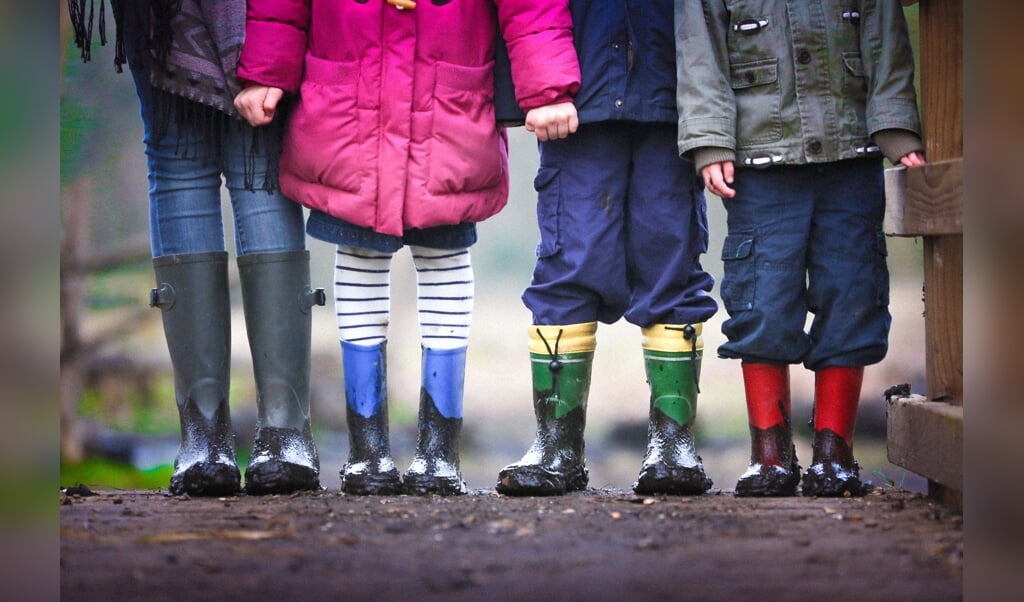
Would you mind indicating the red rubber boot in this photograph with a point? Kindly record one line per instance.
(773, 470)
(833, 471)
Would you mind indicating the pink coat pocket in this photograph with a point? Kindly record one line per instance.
(325, 142)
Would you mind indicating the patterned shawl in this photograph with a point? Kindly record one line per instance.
(191, 49)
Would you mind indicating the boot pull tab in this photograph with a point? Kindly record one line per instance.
(162, 296)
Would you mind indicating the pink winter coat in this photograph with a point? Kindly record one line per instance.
(394, 124)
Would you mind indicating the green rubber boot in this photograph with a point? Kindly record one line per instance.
(672, 358)
(561, 359)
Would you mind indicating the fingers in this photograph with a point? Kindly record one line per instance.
(718, 177)
(913, 159)
(270, 101)
(258, 104)
(552, 122)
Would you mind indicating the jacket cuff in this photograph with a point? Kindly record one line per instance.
(896, 143)
(702, 157)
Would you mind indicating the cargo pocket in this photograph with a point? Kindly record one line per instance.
(549, 204)
(739, 267)
(881, 271)
(758, 102)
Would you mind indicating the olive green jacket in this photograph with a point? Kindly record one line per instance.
(767, 82)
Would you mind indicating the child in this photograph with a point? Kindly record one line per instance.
(393, 142)
(623, 223)
(800, 97)
(182, 58)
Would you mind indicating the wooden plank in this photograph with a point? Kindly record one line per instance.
(926, 200)
(926, 438)
(941, 27)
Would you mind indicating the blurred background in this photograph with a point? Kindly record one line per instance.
(119, 425)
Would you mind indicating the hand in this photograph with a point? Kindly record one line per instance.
(913, 159)
(257, 104)
(553, 121)
(718, 177)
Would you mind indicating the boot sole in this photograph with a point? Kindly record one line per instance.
(275, 476)
(537, 481)
(207, 479)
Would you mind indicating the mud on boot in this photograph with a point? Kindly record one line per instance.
(554, 465)
(283, 460)
(277, 300)
(435, 466)
(833, 472)
(192, 294)
(205, 464)
(370, 469)
(672, 361)
(561, 359)
(774, 470)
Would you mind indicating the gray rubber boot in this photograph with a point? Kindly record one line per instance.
(277, 300)
(192, 294)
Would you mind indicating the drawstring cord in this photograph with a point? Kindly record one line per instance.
(690, 335)
(555, 365)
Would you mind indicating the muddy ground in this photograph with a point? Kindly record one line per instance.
(600, 544)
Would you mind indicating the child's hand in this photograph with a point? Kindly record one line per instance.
(912, 159)
(718, 177)
(553, 121)
(258, 104)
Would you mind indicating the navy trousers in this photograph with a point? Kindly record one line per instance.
(807, 238)
(623, 223)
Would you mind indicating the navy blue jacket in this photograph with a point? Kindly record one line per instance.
(627, 57)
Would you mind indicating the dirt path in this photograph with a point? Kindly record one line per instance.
(593, 545)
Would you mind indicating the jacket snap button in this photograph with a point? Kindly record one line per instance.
(750, 78)
(618, 103)
(814, 147)
(803, 56)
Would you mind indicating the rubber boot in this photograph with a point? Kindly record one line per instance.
(833, 471)
(370, 469)
(277, 300)
(773, 471)
(561, 358)
(435, 467)
(672, 359)
(192, 294)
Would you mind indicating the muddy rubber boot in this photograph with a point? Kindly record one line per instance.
(561, 358)
(435, 467)
(833, 471)
(672, 358)
(773, 470)
(278, 300)
(370, 469)
(192, 294)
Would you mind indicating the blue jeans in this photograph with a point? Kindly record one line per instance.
(186, 167)
(623, 223)
(801, 239)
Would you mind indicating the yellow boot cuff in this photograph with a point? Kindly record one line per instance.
(573, 338)
(669, 338)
